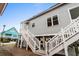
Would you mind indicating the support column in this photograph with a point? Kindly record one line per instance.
(64, 43)
(18, 43)
(43, 42)
(46, 48)
(76, 49)
(66, 49)
(39, 45)
(21, 43)
(26, 45)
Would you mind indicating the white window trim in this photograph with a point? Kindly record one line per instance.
(70, 14)
(52, 19)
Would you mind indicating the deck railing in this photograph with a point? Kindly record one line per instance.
(65, 34)
(71, 30)
(54, 42)
(28, 39)
(35, 43)
(34, 38)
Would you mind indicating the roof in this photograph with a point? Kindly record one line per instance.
(2, 7)
(46, 11)
(12, 30)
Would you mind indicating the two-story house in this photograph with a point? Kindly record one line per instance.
(53, 31)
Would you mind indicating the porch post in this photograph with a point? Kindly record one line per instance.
(66, 50)
(46, 48)
(64, 43)
(43, 42)
(39, 45)
(21, 43)
(18, 43)
(26, 45)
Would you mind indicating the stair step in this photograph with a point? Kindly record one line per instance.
(40, 52)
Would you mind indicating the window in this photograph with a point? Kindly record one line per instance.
(74, 12)
(33, 25)
(8, 34)
(49, 23)
(55, 20)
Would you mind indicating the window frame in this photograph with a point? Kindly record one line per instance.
(53, 20)
(49, 22)
(70, 14)
(8, 34)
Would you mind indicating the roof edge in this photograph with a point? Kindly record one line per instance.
(4, 8)
(44, 12)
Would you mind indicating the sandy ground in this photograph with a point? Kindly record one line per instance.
(21, 52)
(4, 52)
(14, 51)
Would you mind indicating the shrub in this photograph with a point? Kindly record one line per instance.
(5, 40)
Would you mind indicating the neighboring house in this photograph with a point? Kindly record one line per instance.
(11, 34)
(54, 31)
(2, 7)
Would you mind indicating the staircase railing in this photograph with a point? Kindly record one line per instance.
(34, 38)
(36, 42)
(71, 30)
(29, 40)
(54, 42)
(64, 35)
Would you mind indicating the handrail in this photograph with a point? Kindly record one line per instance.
(52, 38)
(34, 38)
(75, 20)
(32, 42)
(68, 31)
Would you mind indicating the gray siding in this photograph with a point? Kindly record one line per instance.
(41, 22)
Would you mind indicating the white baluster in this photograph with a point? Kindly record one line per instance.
(46, 48)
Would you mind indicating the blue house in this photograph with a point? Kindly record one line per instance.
(11, 34)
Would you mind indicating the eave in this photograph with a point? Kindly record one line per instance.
(2, 8)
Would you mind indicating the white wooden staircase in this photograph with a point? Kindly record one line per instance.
(32, 42)
(62, 40)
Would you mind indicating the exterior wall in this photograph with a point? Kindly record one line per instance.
(41, 22)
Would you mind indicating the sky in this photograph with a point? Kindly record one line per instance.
(15, 13)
